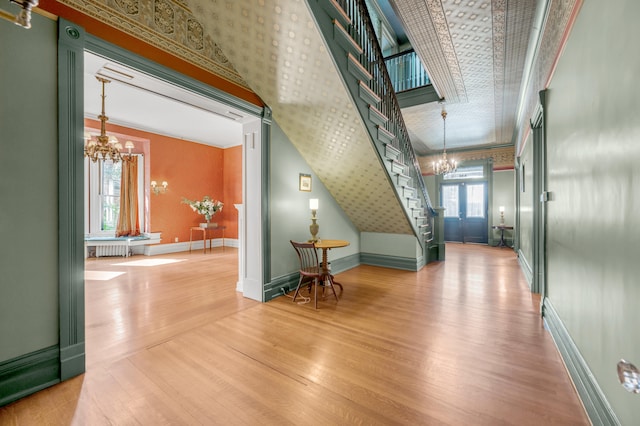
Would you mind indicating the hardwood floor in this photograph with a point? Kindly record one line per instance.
(458, 343)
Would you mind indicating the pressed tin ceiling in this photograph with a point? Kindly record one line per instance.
(474, 52)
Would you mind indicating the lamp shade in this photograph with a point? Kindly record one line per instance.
(313, 203)
(501, 209)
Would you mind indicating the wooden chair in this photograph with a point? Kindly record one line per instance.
(311, 272)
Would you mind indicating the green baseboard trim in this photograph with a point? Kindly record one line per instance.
(72, 361)
(345, 263)
(274, 288)
(289, 282)
(29, 373)
(526, 269)
(393, 262)
(594, 401)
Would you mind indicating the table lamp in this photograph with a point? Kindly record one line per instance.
(501, 208)
(313, 205)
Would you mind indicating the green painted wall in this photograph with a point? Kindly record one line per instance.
(526, 204)
(594, 221)
(398, 245)
(290, 214)
(28, 188)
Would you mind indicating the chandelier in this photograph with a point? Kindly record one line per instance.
(103, 147)
(444, 165)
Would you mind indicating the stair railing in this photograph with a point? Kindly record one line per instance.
(362, 31)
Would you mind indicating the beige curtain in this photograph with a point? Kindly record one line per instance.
(128, 220)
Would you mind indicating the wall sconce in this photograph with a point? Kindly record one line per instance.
(501, 208)
(313, 228)
(159, 189)
(24, 17)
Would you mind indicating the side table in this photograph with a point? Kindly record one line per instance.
(205, 228)
(502, 242)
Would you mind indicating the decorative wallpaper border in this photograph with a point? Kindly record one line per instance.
(503, 158)
(168, 25)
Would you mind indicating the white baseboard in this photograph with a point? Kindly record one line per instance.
(182, 246)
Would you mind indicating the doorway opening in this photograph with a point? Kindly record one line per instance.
(183, 137)
(465, 196)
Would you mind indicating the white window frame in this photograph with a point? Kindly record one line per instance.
(92, 205)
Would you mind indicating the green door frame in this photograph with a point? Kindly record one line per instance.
(539, 282)
(72, 42)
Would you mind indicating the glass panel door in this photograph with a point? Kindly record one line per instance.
(465, 215)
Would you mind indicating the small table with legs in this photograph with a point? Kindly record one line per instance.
(502, 242)
(205, 229)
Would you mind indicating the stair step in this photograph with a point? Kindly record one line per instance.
(391, 151)
(335, 11)
(408, 191)
(396, 167)
(376, 116)
(356, 69)
(343, 38)
(403, 179)
(413, 202)
(368, 95)
(386, 137)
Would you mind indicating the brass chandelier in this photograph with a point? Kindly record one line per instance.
(444, 165)
(103, 147)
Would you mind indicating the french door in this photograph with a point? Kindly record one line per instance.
(466, 211)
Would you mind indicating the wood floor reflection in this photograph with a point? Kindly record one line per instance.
(458, 343)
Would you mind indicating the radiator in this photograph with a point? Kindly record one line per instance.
(111, 250)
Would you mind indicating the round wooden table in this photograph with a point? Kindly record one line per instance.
(327, 245)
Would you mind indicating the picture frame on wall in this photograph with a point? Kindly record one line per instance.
(305, 182)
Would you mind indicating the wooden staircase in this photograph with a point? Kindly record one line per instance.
(349, 35)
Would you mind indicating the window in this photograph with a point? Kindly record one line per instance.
(450, 200)
(102, 195)
(475, 200)
(109, 196)
(468, 172)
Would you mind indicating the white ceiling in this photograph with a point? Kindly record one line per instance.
(136, 100)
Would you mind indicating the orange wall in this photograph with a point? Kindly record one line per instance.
(192, 171)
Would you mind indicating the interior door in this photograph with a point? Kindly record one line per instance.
(465, 214)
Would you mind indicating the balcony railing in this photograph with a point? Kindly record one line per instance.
(406, 71)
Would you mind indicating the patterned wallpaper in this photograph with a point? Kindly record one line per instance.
(273, 48)
(168, 25)
(277, 48)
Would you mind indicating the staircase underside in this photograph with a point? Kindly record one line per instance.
(278, 50)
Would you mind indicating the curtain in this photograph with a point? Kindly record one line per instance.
(128, 220)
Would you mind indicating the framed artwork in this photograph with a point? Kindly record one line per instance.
(305, 182)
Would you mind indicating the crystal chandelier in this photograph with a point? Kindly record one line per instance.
(103, 147)
(444, 165)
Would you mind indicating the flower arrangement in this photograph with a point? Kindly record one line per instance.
(206, 206)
